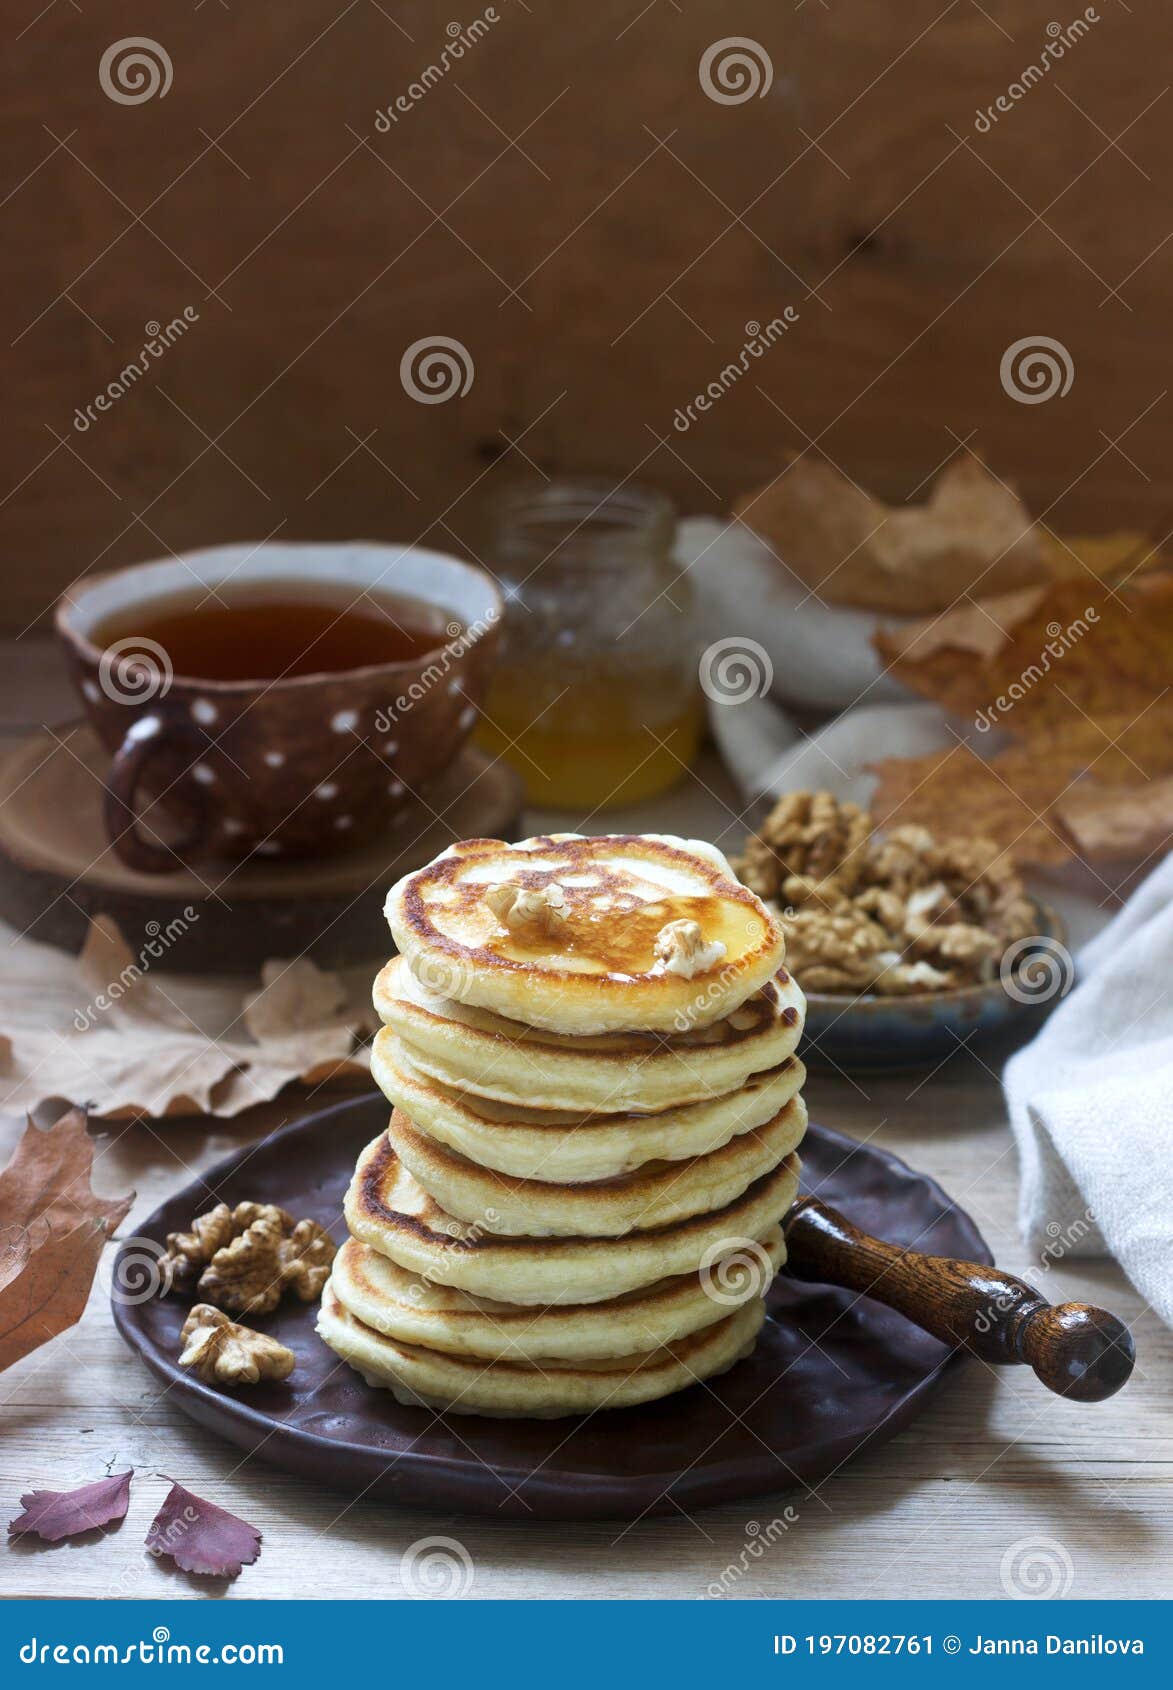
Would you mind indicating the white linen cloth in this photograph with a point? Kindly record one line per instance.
(1091, 1103)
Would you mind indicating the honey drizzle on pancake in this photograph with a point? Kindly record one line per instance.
(620, 935)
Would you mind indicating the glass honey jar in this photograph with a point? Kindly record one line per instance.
(596, 699)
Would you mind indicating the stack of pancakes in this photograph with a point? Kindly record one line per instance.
(589, 1046)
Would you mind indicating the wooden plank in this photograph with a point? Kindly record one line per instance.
(597, 271)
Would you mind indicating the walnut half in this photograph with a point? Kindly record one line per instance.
(220, 1352)
(517, 907)
(244, 1258)
(250, 1275)
(682, 948)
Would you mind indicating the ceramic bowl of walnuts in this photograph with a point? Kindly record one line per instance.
(906, 944)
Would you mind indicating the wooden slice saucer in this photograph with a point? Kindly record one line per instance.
(57, 869)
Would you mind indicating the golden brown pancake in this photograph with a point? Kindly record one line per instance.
(387, 1208)
(539, 1390)
(563, 1144)
(611, 1073)
(655, 1195)
(587, 935)
(412, 1310)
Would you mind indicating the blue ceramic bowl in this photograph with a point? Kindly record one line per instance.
(918, 1030)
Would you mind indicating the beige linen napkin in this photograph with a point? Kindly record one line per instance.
(1091, 1102)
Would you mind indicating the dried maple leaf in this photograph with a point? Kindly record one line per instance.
(54, 1514)
(1113, 557)
(55, 1227)
(1080, 687)
(972, 534)
(201, 1538)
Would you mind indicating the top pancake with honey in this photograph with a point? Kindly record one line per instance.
(587, 935)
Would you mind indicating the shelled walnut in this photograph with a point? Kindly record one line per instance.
(518, 907)
(221, 1352)
(892, 914)
(243, 1259)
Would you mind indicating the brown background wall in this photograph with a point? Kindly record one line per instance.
(599, 271)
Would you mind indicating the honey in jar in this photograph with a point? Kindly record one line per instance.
(596, 700)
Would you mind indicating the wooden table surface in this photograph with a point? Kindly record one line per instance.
(994, 1464)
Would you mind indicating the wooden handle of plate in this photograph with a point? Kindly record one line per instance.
(1079, 1351)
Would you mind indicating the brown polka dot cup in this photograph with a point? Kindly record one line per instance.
(306, 761)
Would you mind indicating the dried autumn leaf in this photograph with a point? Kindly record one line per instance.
(131, 1043)
(1079, 684)
(201, 1538)
(1113, 557)
(973, 533)
(54, 1514)
(55, 1227)
(1109, 822)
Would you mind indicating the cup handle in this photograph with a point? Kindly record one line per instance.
(142, 739)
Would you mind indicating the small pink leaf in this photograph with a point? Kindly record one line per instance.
(54, 1514)
(201, 1538)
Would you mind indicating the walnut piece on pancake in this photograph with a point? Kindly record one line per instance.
(683, 949)
(517, 907)
(221, 1352)
(893, 914)
(245, 1258)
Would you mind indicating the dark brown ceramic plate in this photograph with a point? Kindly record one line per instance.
(831, 1375)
